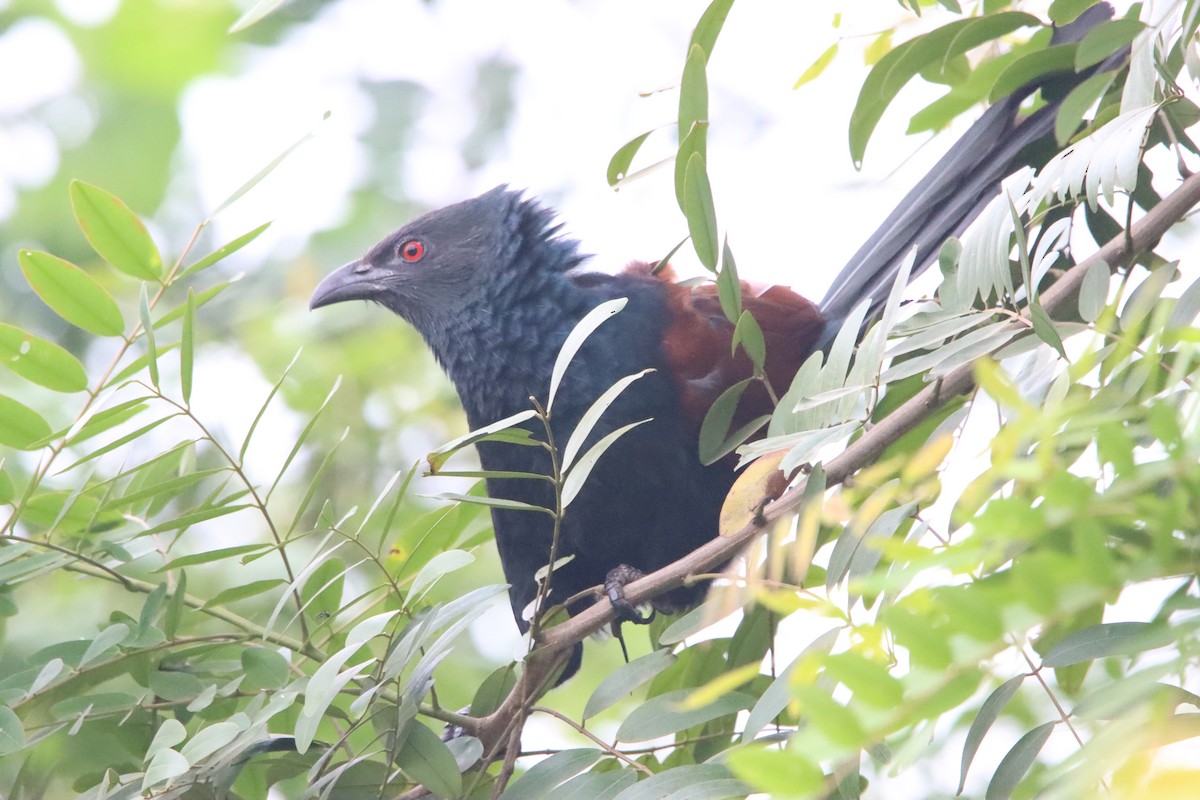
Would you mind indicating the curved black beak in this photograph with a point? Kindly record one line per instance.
(355, 281)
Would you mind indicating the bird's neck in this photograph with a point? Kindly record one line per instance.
(500, 350)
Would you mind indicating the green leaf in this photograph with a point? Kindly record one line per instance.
(224, 251)
(898, 67)
(546, 775)
(620, 683)
(588, 421)
(254, 14)
(1077, 103)
(583, 467)
(187, 348)
(988, 713)
(711, 781)
(425, 758)
(119, 442)
(575, 339)
(1105, 39)
(1107, 639)
(868, 679)
(187, 520)
(776, 697)
(441, 455)
(242, 591)
(492, 502)
(265, 668)
(710, 24)
(322, 592)
(8, 492)
(817, 67)
(494, 689)
(434, 570)
(1093, 291)
(1017, 761)
(729, 288)
(696, 141)
(115, 232)
(597, 785)
(700, 212)
(109, 418)
(715, 427)
(72, 293)
(618, 165)
(165, 765)
(21, 427)
(749, 335)
(148, 332)
(1031, 67)
(174, 487)
(1043, 326)
(108, 639)
(41, 361)
(663, 715)
(779, 773)
(1065, 11)
(209, 740)
(693, 91)
(12, 732)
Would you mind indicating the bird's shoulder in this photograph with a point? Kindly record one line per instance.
(697, 338)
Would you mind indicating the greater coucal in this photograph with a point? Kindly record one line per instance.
(494, 291)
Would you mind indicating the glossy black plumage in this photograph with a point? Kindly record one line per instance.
(494, 291)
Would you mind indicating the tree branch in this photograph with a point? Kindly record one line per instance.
(557, 641)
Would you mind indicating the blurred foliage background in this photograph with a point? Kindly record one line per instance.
(156, 102)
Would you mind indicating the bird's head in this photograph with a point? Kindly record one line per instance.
(433, 267)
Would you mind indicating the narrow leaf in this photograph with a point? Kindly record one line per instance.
(817, 67)
(226, 250)
(437, 567)
(618, 165)
(589, 419)
(663, 715)
(1043, 326)
(575, 339)
(148, 332)
(700, 212)
(1093, 291)
(988, 713)
(715, 427)
(1017, 762)
(187, 348)
(545, 776)
(578, 474)
(1107, 639)
(620, 683)
(710, 24)
(441, 455)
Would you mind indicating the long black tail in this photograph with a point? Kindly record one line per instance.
(957, 189)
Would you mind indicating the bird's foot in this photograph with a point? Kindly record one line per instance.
(614, 587)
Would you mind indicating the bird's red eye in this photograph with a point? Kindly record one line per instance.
(412, 250)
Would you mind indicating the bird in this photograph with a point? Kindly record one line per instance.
(494, 287)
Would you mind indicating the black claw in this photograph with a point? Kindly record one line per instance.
(614, 587)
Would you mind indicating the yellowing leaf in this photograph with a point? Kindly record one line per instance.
(927, 459)
(817, 67)
(760, 481)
